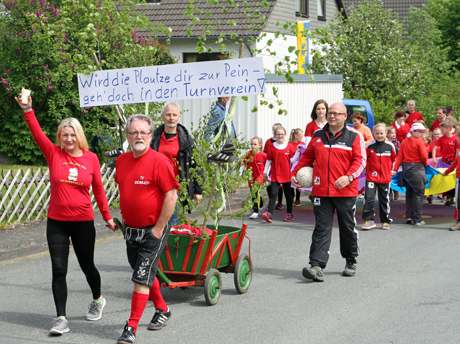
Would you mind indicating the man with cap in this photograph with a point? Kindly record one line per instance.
(413, 157)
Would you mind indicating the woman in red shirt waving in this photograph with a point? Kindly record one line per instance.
(73, 169)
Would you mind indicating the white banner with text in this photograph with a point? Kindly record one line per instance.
(212, 79)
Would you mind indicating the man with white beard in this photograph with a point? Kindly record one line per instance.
(148, 194)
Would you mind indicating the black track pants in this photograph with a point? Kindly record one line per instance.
(324, 209)
(414, 179)
(383, 192)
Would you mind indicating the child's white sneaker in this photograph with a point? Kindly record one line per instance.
(254, 216)
(368, 225)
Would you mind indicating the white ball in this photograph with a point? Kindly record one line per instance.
(304, 176)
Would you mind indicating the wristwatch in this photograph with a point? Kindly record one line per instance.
(350, 178)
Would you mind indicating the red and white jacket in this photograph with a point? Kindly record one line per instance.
(333, 156)
(380, 159)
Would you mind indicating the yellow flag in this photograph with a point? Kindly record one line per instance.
(440, 183)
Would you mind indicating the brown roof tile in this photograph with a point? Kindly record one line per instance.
(244, 18)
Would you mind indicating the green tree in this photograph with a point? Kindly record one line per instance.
(44, 44)
(447, 15)
(367, 49)
(379, 61)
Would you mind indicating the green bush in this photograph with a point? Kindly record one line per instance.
(44, 44)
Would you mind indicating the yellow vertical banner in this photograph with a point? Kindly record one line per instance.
(301, 45)
(304, 57)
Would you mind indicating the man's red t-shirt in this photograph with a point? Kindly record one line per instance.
(143, 183)
(414, 117)
(170, 148)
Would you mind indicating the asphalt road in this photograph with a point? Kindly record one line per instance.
(406, 291)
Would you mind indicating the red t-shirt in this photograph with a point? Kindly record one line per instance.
(170, 148)
(280, 170)
(311, 128)
(446, 147)
(414, 117)
(143, 183)
(435, 125)
(401, 130)
(268, 145)
(455, 163)
(70, 179)
(412, 150)
(256, 162)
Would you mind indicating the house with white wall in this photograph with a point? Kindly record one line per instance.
(244, 29)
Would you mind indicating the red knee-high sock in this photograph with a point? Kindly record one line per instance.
(138, 302)
(156, 297)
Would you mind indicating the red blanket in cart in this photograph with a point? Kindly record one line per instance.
(185, 229)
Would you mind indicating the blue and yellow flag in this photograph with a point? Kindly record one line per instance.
(436, 183)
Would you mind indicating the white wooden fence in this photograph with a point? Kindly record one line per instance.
(25, 193)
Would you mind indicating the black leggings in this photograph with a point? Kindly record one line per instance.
(83, 235)
(274, 191)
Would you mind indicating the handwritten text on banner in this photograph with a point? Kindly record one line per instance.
(175, 81)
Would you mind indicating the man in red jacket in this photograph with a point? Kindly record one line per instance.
(338, 156)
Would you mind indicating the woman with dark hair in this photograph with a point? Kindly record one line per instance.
(318, 119)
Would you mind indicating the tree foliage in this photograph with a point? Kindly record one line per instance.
(44, 44)
(447, 15)
(378, 60)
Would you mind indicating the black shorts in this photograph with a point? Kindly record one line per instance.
(143, 251)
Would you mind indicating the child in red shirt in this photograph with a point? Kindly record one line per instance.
(400, 125)
(435, 135)
(456, 166)
(255, 161)
(446, 150)
(279, 163)
(267, 146)
(446, 144)
(380, 158)
(296, 139)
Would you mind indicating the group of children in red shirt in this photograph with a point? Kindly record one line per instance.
(272, 165)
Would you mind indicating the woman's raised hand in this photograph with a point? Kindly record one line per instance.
(24, 100)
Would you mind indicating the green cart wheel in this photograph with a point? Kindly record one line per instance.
(242, 276)
(212, 286)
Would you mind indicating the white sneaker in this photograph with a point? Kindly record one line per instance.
(368, 225)
(95, 309)
(254, 216)
(60, 326)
